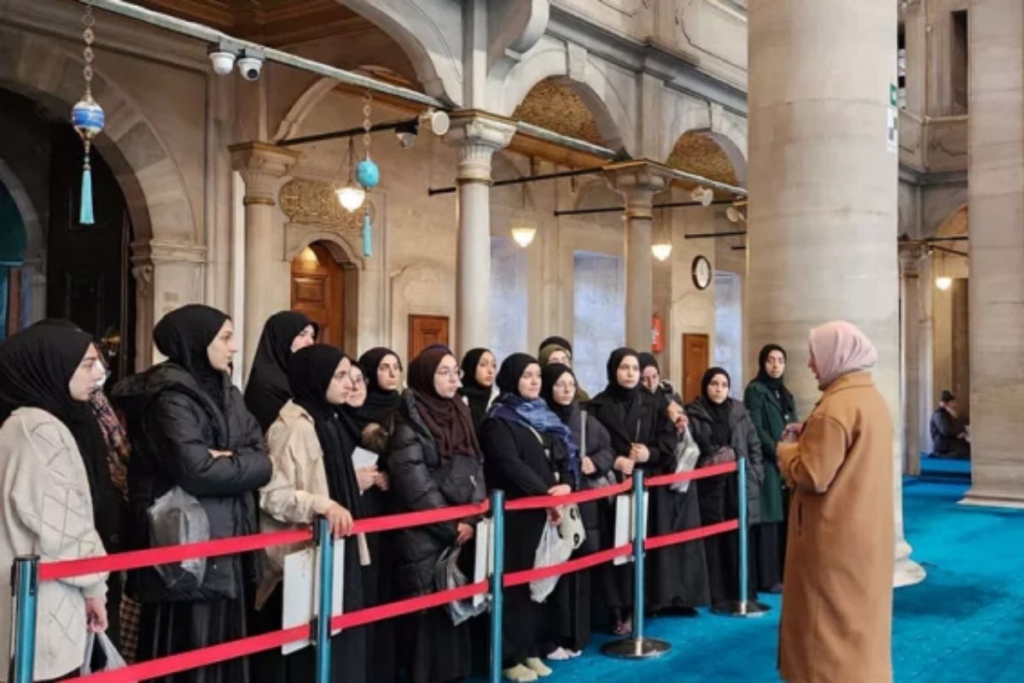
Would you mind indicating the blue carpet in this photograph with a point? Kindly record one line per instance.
(964, 624)
(942, 469)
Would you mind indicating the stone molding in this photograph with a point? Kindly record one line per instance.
(262, 167)
(638, 182)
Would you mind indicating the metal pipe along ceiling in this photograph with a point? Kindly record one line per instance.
(214, 37)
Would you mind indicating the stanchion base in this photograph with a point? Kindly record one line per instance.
(741, 608)
(635, 648)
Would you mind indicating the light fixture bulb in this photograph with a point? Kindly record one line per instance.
(351, 197)
(943, 282)
(661, 250)
(523, 235)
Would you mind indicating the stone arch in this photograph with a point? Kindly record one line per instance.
(414, 25)
(341, 249)
(35, 244)
(149, 177)
(957, 224)
(555, 62)
(688, 115)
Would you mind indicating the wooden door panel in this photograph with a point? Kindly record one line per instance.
(695, 364)
(426, 330)
(318, 291)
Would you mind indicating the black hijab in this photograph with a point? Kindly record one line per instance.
(36, 366)
(183, 335)
(617, 391)
(777, 386)
(550, 376)
(448, 419)
(267, 390)
(477, 395)
(512, 369)
(721, 429)
(380, 403)
(310, 371)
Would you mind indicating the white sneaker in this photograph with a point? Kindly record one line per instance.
(538, 667)
(520, 674)
(560, 655)
(573, 654)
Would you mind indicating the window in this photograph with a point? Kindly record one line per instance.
(959, 63)
(901, 65)
(599, 304)
(508, 298)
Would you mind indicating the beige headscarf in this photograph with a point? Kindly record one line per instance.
(549, 350)
(840, 348)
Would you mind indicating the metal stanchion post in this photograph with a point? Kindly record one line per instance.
(322, 622)
(743, 607)
(25, 588)
(637, 646)
(497, 579)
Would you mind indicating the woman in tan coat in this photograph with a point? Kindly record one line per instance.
(837, 597)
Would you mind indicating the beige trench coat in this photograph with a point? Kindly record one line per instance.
(837, 597)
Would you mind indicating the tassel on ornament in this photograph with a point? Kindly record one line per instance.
(367, 237)
(85, 215)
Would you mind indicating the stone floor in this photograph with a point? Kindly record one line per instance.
(965, 624)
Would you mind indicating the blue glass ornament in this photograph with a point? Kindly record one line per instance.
(368, 174)
(88, 119)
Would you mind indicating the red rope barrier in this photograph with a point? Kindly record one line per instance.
(408, 520)
(702, 473)
(215, 654)
(408, 606)
(136, 559)
(691, 534)
(541, 502)
(528, 575)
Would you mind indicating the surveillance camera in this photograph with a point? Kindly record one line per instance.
(406, 134)
(223, 62)
(250, 67)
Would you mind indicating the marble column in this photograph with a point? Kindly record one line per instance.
(821, 242)
(638, 182)
(267, 272)
(996, 201)
(911, 303)
(477, 137)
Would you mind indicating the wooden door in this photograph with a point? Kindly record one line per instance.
(88, 279)
(695, 364)
(318, 290)
(424, 331)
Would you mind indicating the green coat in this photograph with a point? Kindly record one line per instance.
(770, 420)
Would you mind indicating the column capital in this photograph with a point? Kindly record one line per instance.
(478, 136)
(262, 167)
(638, 182)
(910, 258)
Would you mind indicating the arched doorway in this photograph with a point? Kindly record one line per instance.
(88, 277)
(323, 287)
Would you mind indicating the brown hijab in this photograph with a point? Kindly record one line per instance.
(448, 419)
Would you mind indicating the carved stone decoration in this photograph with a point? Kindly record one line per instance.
(313, 202)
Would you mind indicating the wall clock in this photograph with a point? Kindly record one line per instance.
(701, 272)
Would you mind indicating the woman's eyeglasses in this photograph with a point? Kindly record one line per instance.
(448, 373)
(566, 386)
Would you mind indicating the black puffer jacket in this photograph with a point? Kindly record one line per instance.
(173, 424)
(422, 480)
(718, 499)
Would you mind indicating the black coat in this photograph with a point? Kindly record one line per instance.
(717, 503)
(173, 424)
(522, 465)
(422, 480)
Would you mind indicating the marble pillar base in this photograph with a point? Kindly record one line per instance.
(906, 572)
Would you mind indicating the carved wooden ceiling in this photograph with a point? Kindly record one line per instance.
(556, 106)
(271, 22)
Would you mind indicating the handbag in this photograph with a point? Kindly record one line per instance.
(178, 518)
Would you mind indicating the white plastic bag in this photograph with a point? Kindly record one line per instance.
(177, 518)
(449, 576)
(687, 452)
(107, 659)
(551, 550)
